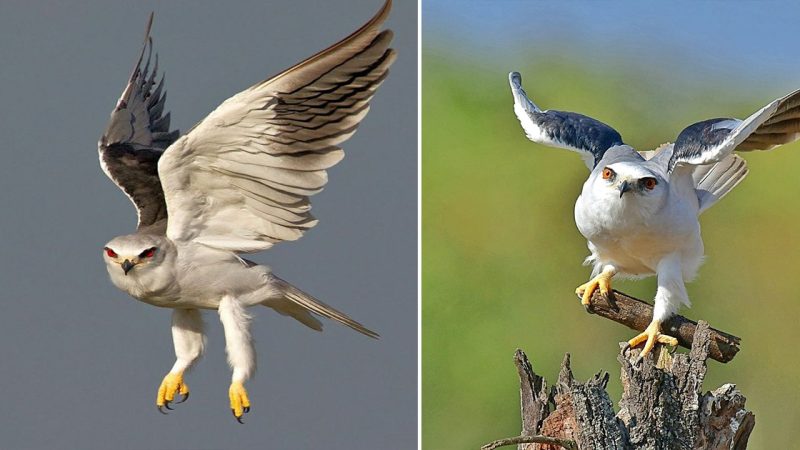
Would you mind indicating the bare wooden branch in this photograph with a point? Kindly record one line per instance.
(637, 314)
(662, 405)
(569, 445)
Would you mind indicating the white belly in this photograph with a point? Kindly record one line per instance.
(195, 277)
(635, 240)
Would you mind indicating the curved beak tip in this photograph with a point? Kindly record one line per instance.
(127, 265)
(623, 188)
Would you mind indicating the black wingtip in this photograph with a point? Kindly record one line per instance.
(149, 24)
(147, 39)
(123, 100)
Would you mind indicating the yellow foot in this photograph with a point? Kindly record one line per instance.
(172, 383)
(650, 336)
(240, 404)
(601, 281)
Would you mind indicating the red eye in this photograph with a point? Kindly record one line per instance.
(650, 183)
(148, 253)
(111, 253)
(607, 173)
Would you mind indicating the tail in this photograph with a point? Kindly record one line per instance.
(714, 181)
(296, 303)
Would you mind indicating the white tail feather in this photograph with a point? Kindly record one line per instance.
(309, 303)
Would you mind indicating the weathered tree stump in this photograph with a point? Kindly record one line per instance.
(662, 406)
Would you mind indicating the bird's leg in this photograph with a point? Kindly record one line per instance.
(241, 355)
(670, 294)
(602, 281)
(189, 341)
(650, 336)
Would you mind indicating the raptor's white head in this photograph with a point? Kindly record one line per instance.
(136, 262)
(133, 253)
(630, 182)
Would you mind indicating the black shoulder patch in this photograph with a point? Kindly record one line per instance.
(135, 171)
(579, 131)
(695, 139)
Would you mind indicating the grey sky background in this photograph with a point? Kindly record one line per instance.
(80, 361)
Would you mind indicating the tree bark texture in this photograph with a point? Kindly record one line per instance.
(662, 405)
(637, 314)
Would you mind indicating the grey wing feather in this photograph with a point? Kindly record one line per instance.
(307, 302)
(711, 181)
(662, 152)
(712, 140)
(241, 179)
(135, 137)
(563, 129)
(714, 181)
(287, 307)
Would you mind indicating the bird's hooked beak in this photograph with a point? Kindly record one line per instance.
(624, 187)
(127, 265)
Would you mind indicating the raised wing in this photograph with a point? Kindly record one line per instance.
(135, 137)
(712, 140)
(240, 180)
(572, 131)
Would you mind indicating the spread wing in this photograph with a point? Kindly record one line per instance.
(135, 137)
(240, 180)
(712, 140)
(572, 131)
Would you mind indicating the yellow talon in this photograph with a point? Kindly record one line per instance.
(172, 383)
(650, 336)
(602, 281)
(240, 404)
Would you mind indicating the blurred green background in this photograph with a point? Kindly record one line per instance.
(501, 256)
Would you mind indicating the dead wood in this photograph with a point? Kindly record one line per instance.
(636, 314)
(662, 405)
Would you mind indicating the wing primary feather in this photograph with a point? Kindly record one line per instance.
(136, 135)
(245, 172)
(126, 93)
(713, 140)
(376, 21)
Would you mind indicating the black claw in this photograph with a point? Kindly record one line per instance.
(611, 298)
(238, 418)
(185, 397)
(588, 308)
(672, 349)
(166, 405)
(246, 409)
(161, 410)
